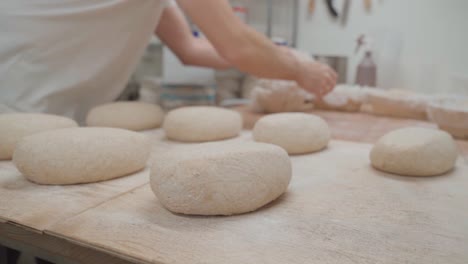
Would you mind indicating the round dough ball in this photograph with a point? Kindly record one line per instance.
(220, 178)
(297, 133)
(415, 151)
(135, 116)
(81, 155)
(15, 126)
(202, 123)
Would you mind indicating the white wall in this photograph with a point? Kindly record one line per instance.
(434, 34)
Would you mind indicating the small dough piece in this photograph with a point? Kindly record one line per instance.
(81, 155)
(415, 151)
(220, 178)
(202, 123)
(276, 96)
(297, 133)
(15, 126)
(347, 98)
(135, 116)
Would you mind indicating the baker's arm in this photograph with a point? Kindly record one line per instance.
(174, 31)
(252, 52)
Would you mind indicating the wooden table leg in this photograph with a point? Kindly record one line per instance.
(50, 248)
(3, 254)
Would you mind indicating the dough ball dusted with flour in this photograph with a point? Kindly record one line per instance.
(415, 151)
(15, 126)
(297, 133)
(220, 178)
(202, 123)
(81, 155)
(135, 116)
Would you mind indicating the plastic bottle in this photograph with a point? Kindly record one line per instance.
(366, 74)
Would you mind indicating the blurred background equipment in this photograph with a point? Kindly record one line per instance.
(387, 45)
(338, 63)
(366, 74)
(178, 95)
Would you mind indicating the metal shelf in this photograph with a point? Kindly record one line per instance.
(294, 19)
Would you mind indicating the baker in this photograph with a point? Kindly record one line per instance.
(65, 57)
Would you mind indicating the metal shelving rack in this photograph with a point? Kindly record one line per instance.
(294, 17)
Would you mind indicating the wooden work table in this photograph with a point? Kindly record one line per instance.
(338, 209)
(357, 127)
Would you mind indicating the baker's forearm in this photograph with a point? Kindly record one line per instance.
(240, 45)
(174, 31)
(251, 51)
(256, 54)
(202, 53)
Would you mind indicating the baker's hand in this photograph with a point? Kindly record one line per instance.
(315, 77)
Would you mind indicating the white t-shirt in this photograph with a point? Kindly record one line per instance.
(66, 56)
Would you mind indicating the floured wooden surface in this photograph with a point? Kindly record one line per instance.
(40, 206)
(359, 127)
(337, 210)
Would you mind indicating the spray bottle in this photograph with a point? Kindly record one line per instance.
(366, 74)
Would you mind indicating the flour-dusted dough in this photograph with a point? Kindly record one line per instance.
(347, 98)
(399, 103)
(81, 155)
(220, 178)
(135, 116)
(202, 123)
(276, 96)
(451, 115)
(15, 126)
(297, 133)
(415, 151)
